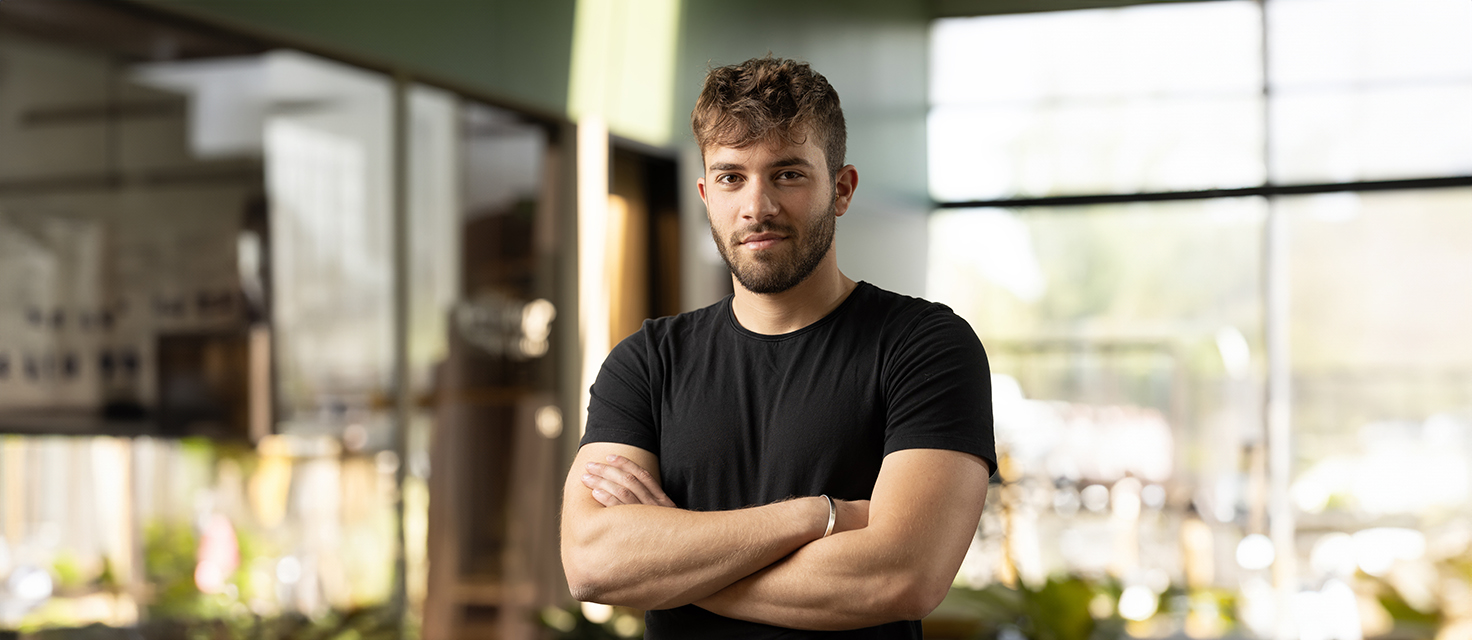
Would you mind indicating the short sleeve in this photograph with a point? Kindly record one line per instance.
(621, 406)
(938, 389)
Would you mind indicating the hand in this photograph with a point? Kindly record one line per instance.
(621, 481)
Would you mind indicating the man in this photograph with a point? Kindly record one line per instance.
(810, 453)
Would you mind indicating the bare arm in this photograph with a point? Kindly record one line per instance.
(925, 508)
(622, 545)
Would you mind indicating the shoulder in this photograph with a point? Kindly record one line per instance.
(907, 318)
(662, 334)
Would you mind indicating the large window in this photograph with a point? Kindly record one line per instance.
(1217, 252)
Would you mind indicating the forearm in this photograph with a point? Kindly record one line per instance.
(658, 557)
(849, 581)
(925, 509)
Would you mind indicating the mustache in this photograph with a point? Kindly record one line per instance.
(762, 227)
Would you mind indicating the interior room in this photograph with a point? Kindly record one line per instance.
(300, 302)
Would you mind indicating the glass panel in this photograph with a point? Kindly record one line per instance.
(1342, 42)
(122, 302)
(328, 162)
(1374, 134)
(1170, 270)
(434, 288)
(981, 153)
(1157, 98)
(1148, 50)
(1382, 359)
(434, 225)
(1368, 90)
(1124, 342)
(498, 427)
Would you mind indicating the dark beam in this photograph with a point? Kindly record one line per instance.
(108, 181)
(1259, 191)
(967, 8)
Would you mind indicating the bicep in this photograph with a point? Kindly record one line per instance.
(927, 502)
(575, 496)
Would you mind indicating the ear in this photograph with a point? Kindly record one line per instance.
(700, 185)
(844, 185)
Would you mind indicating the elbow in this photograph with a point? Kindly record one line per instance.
(580, 569)
(581, 586)
(918, 596)
(584, 590)
(586, 587)
(591, 580)
(584, 581)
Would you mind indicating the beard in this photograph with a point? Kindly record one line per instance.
(768, 272)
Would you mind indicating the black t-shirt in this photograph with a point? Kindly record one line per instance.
(740, 419)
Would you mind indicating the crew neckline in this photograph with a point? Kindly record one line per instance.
(730, 313)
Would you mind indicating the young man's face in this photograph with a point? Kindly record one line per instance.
(772, 210)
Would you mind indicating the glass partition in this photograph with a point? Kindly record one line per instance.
(198, 260)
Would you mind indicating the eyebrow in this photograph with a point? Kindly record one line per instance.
(788, 161)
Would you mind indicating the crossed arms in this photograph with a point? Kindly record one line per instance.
(890, 558)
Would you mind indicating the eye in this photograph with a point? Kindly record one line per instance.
(789, 175)
(728, 178)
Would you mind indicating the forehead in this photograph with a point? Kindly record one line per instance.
(765, 153)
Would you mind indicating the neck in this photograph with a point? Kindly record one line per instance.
(795, 308)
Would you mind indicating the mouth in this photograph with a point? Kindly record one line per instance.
(760, 241)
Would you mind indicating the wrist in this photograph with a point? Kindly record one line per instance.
(813, 516)
(830, 516)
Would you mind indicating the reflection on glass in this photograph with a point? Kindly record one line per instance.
(980, 153)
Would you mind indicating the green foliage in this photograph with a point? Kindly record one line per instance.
(68, 571)
(169, 557)
(169, 550)
(568, 623)
(1059, 610)
(108, 578)
(1406, 615)
(376, 623)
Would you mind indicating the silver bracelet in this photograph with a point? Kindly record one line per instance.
(832, 515)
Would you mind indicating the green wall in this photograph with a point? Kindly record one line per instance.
(519, 52)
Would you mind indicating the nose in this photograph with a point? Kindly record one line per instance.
(760, 201)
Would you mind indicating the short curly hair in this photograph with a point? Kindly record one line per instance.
(766, 100)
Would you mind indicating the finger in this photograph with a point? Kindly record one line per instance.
(633, 478)
(644, 477)
(606, 480)
(604, 498)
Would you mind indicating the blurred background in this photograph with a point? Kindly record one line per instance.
(299, 300)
